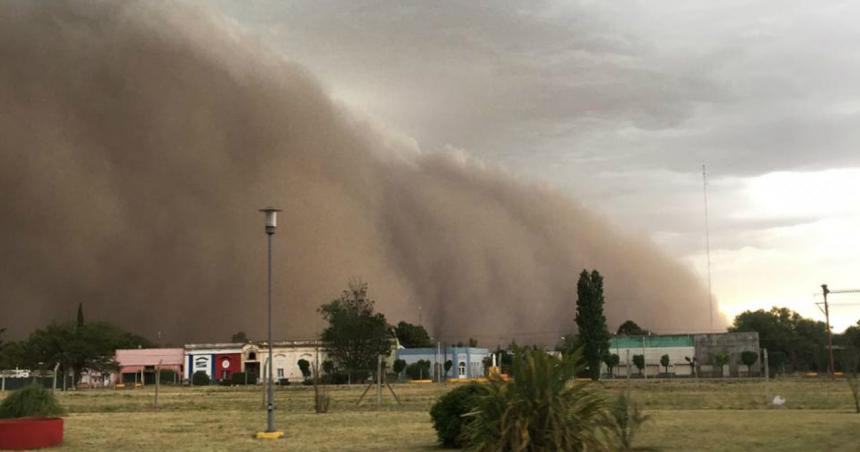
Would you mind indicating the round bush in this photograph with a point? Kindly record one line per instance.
(30, 401)
(200, 378)
(448, 411)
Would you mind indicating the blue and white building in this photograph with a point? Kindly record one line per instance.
(467, 362)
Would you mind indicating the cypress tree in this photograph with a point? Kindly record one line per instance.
(593, 333)
(80, 315)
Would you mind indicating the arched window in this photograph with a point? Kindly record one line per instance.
(462, 368)
(252, 356)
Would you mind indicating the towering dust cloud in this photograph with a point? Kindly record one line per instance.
(137, 142)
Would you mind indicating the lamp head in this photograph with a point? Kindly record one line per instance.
(271, 219)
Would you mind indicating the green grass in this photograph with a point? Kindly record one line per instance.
(687, 415)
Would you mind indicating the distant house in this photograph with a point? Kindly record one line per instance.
(466, 362)
(138, 365)
(218, 361)
(221, 360)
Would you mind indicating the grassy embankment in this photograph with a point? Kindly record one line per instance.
(687, 415)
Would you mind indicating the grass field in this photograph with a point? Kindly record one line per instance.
(730, 415)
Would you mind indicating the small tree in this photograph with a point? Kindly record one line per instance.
(399, 366)
(749, 358)
(355, 335)
(625, 421)
(239, 336)
(664, 361)
(639, 362)
(611, 362)
(448, 365)
(418, 370)
(305, 368)
(721, 359)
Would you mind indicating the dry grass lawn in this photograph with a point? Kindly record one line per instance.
(686, 416)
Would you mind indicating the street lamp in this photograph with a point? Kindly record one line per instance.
(270, 433)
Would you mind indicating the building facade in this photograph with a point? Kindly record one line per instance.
(467, 362)
(138, 365)
(218, 361)
(689, 354)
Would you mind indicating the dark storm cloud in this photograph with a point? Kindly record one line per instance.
(139, 139)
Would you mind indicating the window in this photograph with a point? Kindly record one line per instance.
(280, 373)
(252, 356)
(462, 368)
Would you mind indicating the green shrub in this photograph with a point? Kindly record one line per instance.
(238, 378)
(448, 411)
(625, 422)
(419, 370)
(541, 408)
(30, 401)
(200, 378)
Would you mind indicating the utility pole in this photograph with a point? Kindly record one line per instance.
(826, 291)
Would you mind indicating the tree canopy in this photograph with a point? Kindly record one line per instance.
(630, 328)
(355, 334)
(90, 346)
(590, 320)
(412, 336)
(784, 332)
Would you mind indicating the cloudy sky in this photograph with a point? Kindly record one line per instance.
(620, 104)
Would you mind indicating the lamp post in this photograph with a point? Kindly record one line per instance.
(271, 214)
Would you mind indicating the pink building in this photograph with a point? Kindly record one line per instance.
(139, 364)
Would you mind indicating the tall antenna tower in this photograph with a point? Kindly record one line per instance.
(708, 244)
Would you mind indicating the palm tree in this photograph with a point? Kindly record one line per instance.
(542, 408)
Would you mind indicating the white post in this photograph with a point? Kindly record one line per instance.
(644, 362)
(157, 380)
(54, 387)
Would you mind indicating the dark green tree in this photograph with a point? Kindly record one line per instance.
(419, 370)
(781, 331)
(78, 348)
(664, 361)
(473, 342)
(412, 336)
(448, 365)
(611, 361)
(749, 358)
(590, 320)
(630, 328)
(355, 335)
(305, 368)
(639, 362)
(399, 365)
(80, 315)
(720, 361)
(240, 337)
